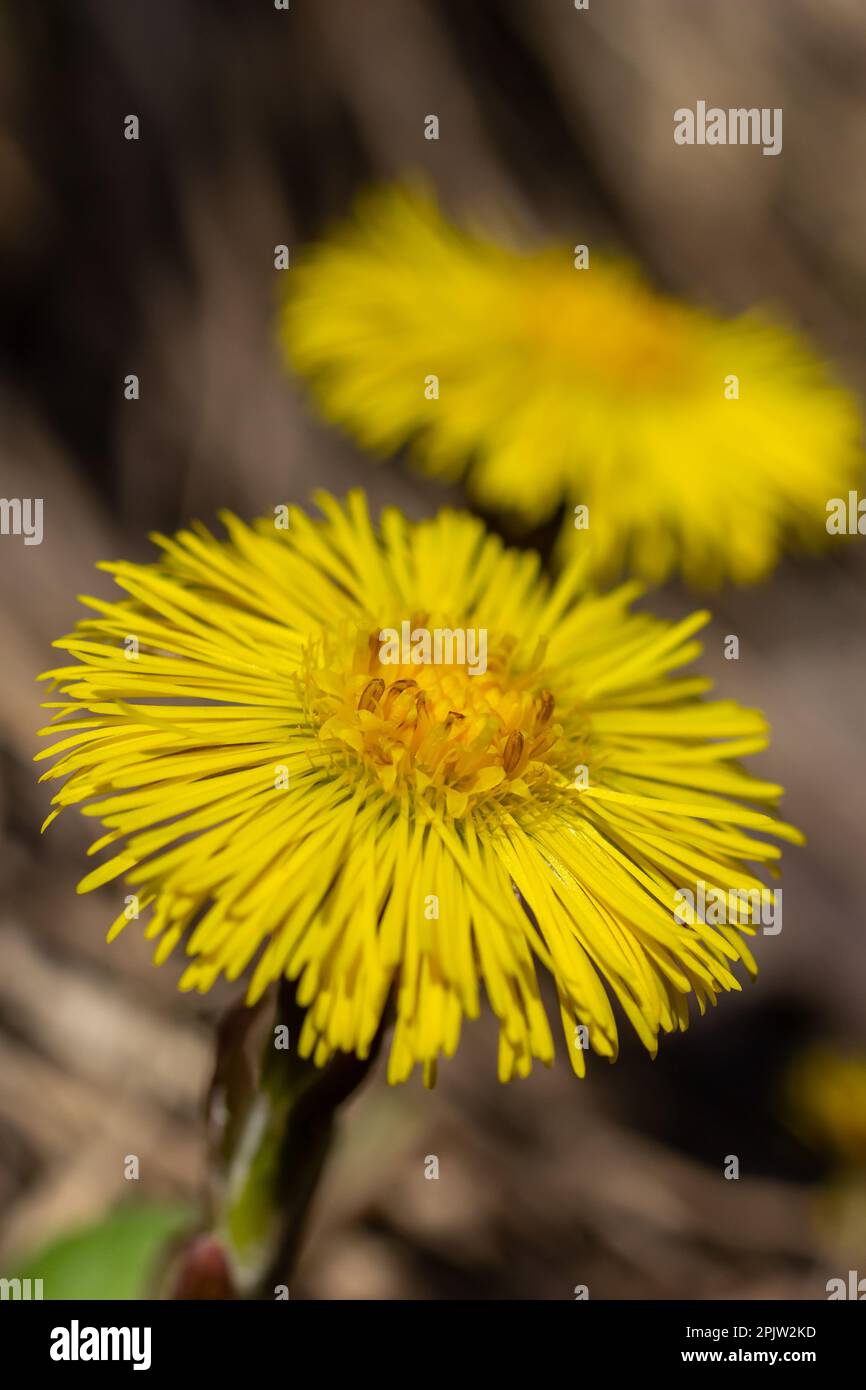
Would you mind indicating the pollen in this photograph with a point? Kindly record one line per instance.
(451, 739)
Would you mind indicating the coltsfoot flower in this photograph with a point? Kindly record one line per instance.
(286, 791)
(696, 444)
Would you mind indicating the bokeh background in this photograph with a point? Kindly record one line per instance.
(156, 258)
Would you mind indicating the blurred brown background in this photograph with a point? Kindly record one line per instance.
(156, 257)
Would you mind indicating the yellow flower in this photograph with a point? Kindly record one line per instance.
(826, 1100)
(696, 443)
(287, 786)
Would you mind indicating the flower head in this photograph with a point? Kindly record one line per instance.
(694, 443)
(309, 769)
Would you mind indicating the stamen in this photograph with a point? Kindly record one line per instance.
(371, 694)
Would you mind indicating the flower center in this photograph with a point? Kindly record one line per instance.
(610, 328)
(432, 727)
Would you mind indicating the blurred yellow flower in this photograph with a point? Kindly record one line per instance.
(290, 780)
(826, 1098)
(693, 443)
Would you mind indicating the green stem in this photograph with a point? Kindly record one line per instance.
(272, 1119)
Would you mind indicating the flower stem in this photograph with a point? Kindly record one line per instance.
(271, 1118)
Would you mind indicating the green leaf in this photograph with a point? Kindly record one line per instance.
(115, 1258)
